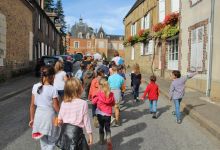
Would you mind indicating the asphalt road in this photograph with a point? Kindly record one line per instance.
(138, 131)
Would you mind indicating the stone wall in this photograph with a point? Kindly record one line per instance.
(18, 28)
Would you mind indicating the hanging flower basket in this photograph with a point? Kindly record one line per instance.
(171, 19)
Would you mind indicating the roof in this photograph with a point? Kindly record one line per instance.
(115, 37)
(136, 4)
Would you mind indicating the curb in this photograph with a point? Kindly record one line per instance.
(11, 94)
(207, 124)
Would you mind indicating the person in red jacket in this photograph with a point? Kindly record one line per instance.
(152, 90)
(104, 100)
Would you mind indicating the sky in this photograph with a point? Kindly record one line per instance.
(106, 13)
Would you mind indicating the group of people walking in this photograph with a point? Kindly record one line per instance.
(59, 111)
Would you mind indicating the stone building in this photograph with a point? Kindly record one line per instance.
(154, 55)
(16, 36)
(196, 45)
(26, 33)
(84, 39)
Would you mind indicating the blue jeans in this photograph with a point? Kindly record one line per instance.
(153, 106)
(177, 108)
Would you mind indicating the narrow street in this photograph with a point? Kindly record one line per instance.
(138, 131)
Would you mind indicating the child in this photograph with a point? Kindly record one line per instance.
(136, 81)
(87, 79)
(74, 114)
(105, 101)
(177, 90)
(152, 90)
(60, 78)
(79, 73)
(122, 74)
(45, 98)
(115, 82)
(93, 91)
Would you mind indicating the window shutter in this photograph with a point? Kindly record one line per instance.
(193, 55)
(142, 48)
(161, 10)
(135, 28)
(175, 6)
(147, 21)
(142, 23)
(151, 47)
(200, 35)
(132, 53)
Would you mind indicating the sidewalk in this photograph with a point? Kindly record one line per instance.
(196, 105)
(15, 86)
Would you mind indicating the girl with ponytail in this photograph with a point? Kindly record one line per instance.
(43, 109)
(104, 100)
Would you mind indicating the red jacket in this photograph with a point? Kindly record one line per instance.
(104, 104)
(93, 88)
(152, 90)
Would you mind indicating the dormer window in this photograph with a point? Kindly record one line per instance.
(80, 35)
(101, 35)
(87, 36)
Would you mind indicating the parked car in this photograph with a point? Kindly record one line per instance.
(44, 61)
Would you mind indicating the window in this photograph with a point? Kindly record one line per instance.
(145, 22)
(175, 5)
(147, 48)
(39, 21)
(173, 54)
(3, 32)
(121, 47)
(87, 36)
(114, 46)
(101, 35)
(161, 10)
(101, 44)
(196, 54)
(88, 44)
(80, 35)
(134, 29)
(132, 53)
(76, 45)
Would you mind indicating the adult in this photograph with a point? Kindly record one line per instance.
(117, 59)
(68, 66)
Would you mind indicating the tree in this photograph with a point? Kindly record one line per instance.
(60, 13)
(49, 5)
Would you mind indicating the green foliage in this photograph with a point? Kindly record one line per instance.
(61, 16)
(49, 5)
(169, 31)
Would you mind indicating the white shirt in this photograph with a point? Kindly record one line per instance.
(59, 80)
(45, 98)
(116, 59)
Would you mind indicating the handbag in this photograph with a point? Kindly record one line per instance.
(72, 138)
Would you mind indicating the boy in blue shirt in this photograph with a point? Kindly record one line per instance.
(115, 82)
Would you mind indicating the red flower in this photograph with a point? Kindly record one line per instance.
(141, 32)
(158, 27)
(171, 19)
(130, 38)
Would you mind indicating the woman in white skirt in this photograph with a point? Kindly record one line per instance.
(45, 101)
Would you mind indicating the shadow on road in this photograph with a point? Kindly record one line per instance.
(119, 142)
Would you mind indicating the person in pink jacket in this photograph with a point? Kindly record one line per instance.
(104, 100)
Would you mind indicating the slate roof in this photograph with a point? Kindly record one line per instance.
(136, 4)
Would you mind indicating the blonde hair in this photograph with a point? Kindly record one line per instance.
(104, 86)
(136, 68)
(58, 66)
(72, 89)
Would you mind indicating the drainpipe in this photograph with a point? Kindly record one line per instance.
(210, 57)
